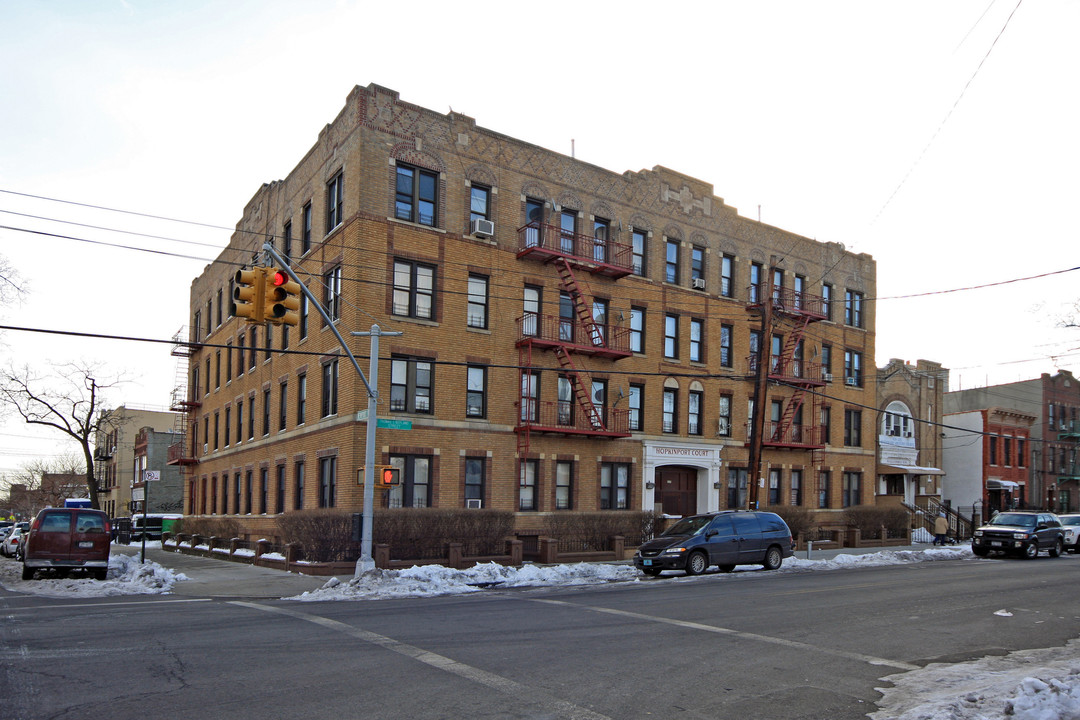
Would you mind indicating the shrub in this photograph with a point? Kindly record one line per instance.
(324, 535)
(870, 518)
(590, 531)
(221, 527)
(798, 518)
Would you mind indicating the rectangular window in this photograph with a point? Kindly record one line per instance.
(826, 296)
(335, 192)
(206, 434)
(637, 329)
(248, 490)
(697, 266)
(217, 371)
(264, 489)
(565, 402)
(777, 284)
(479, 202)
(993, 443)
(671, 261)
(228, 424)
(530, 397)
(474, 480)
(530, 320)
(693, 420)
(823, 489)
(266, 412)
(476, 392)
(826, 424)
(852, 489)
(328, 481)
(302, 328)
(236, 494)
(727, 276)
(853, 428)
(415, 487)
(853, 308)
(567, 231)
(298, 482)
(727, 357)
(477, 315)
(219, 304)
(268, 341)
(279, 494)
(796, 487)
(567, 317)
(614, 486)
(196, 325)
(414, 290)
(415, 198)
(564, 475)
(671, 336)
(286, 239)
(284, 337)
(332, 292)
(229, 361)
(800, 290)
(301, 397)
(1021, 459)
(411, 385)
(283, 405)
(723, 424)
(251, 349)
(697, 340)
(601, 232)
(671, 404)
(853, 368)
(527, 485)
(1006, 447)
(240, 419)
(826, 361)
(305, 228)
(757, 271)
(637, 396)
(736, 488)
(329, 389)
(774, 486)
(637, 241)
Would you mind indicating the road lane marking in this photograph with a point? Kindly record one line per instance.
(35, 608)
(860, 657)
(504, 685)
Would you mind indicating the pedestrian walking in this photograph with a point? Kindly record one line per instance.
(941, 529)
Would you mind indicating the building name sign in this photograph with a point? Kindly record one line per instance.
(682, 452)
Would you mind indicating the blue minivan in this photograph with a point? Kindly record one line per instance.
(727, 538)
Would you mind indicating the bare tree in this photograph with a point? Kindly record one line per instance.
(67, 401)
(33, 479)
(12, 287)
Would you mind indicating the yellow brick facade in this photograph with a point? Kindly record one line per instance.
(374, 135)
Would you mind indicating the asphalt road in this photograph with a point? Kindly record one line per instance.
(742, 646)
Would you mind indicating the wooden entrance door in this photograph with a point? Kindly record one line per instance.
(676, 491)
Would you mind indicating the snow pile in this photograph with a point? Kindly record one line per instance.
(877, 559)
(432, 580)
(127, 576)
(1023, 685)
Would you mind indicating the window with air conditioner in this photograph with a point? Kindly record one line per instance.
(481, 228)
(698, 283)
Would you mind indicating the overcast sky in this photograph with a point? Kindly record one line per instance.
(939, 137)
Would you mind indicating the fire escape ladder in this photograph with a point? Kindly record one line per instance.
(525, 365)
(786, 362)
(791, 407)
(582, 308)
(580, 381)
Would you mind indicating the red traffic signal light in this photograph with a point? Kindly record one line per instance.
(282, 298)
(386, 476)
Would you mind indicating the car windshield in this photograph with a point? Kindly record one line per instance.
(689, 526)
(1017, 519)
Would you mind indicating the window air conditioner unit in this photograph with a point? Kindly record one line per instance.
(482, 228)
(827, 377)
(850, 382)
(474, 503)
(698, 283)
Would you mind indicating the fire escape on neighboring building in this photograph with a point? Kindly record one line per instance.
(182, 452)
(574, 334)
(1068, 477)
(793, 421)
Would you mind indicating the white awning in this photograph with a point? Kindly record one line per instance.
(992, 484)
(909, 470)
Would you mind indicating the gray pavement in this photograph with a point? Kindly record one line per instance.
(210, 577)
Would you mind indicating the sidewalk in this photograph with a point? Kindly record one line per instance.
(208, 577)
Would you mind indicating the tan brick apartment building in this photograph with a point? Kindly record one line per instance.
(574, 339)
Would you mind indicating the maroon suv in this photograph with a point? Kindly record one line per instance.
(67, 538)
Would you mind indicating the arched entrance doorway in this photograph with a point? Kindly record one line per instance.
(676, 490)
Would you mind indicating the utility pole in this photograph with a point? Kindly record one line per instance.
(761, 385)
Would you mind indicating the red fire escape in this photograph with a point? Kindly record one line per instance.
(570, 338)
(182, 452)
(798, 426)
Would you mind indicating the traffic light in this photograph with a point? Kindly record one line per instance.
(249, 294)
(281, 299)
(387, 476)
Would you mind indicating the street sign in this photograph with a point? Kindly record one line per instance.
(151, 475)
(394, 424)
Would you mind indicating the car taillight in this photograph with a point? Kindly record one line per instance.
(108, 528)
(36, 524)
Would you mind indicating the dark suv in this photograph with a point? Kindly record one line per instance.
(727, 539)
(66, 539)
(1020, 533)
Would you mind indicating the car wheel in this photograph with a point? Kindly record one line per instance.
(1031, 550)
(1057, 549)
(727, 568)
(980, 552)
(773, 558)
(697, 563)
(27, 573)
(101, 574)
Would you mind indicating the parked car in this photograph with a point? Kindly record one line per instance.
(1020, 533)
(10, 546)
(726, 539)
(65, 539)
(1070, 523)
